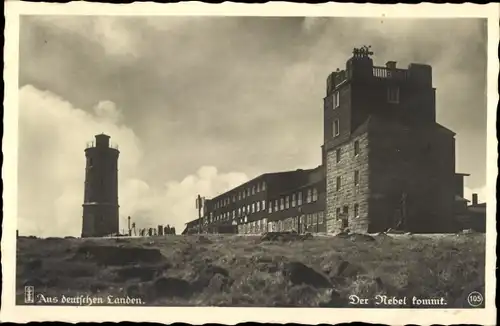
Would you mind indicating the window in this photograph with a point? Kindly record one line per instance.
(336, 100)
(393, 95)
(239, 195)
(309, 219)
(253, 207)
(337, 213)
(253, 190)
(356, 148)
(336, 128)
(337, 154)
(258, 187)
(356, 210)
(258, 206)
(309, 195)
(293, 200)
(299, 200)
(263, 205)
(248, 192)
(248, 209)
(234, 198)
(276, 205)
(270, 207)
(356, 177)
(315, 194)
(239, 211)
(263, 186)
(234, 214)
(338, 183)
(282, 204)
(244, 194)
(320, 218)
(287, 202)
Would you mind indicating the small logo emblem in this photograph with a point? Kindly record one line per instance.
(475, 299)
(29, 294)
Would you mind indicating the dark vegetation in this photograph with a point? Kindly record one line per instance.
(272, 270)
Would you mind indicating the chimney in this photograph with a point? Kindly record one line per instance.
(474, 199)
(391, 64)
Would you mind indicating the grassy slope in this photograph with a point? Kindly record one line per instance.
(424, 266)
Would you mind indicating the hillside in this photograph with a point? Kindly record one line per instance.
(247, 271)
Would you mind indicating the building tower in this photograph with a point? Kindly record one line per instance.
(389, 164)
(100, 204)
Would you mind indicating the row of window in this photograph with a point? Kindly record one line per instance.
(241, 195)
(338, 152)
(338, 184)
(289, 224)
(344, 212)
(392, 96)
(241, 211)
(294, 200)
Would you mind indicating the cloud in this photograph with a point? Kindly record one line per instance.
(53, 134)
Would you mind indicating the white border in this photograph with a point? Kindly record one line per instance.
(201, 315)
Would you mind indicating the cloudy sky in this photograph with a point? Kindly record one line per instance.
(199, 105)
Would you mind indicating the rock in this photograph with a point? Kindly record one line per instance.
(109, 255)
(298, 273)
(168, 287)
(219, 283)
(205, 276)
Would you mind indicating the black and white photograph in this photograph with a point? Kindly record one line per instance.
(252, 161)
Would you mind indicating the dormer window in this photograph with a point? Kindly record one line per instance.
(393, 95)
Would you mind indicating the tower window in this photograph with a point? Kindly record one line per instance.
(356, 177)
(336, 128)
(393, 95)
(356, 210)
(336, 100)
(339, 180)
(356, 148)
(337, 153)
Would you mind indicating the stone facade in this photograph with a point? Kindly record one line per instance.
(349, 194)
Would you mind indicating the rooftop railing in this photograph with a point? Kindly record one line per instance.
(92, 144)
(382, 72)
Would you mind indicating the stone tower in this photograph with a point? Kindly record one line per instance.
(100, 204)
(389, 163)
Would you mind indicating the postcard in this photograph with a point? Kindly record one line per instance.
(233, 163)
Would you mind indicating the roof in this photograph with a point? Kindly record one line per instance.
(460, 198)
(262, 176)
